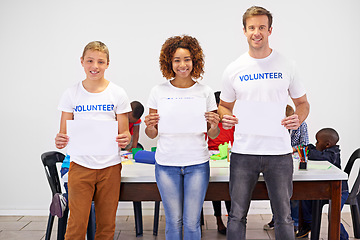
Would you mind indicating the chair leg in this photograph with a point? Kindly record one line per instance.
(316, 219)
(62, 223)
(355, 215)
(156, 218)
(91, 229)
(49, 227)
(138, 218)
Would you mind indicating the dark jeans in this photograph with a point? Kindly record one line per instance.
(244, 173)
(294, 204)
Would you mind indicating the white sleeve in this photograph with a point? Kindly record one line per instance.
(211, 101)
(65, 104)
(152, 101)
(123, 103)
(227, 91)
(296, 88)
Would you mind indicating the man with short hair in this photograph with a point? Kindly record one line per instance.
(261, 77)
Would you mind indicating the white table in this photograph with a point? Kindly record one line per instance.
(138, 184)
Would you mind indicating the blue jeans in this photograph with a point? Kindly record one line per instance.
(63, 171)
(294, 204)
(182, 191)
(244, 173)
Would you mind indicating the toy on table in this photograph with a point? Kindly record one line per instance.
(126, 158)
(224, 152)
(145, 157)
(302, 150)
(135, 150)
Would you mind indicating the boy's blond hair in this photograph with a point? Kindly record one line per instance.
(97, 46)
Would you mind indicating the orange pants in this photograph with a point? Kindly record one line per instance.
(86, 185)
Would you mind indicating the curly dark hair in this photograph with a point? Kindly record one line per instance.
(169, 48)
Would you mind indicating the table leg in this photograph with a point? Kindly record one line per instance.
(138, 218)
(335, 211)
(156, 218)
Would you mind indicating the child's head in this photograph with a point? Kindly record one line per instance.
(326, 138)
(185, 42)
(95, 60)
(137, 111)
(217, 97)
(97, 46)
(289, 110)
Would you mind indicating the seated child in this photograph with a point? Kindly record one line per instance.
(134, 123)
(325, 150)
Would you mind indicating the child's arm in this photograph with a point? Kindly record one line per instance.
(135, 136)
(212, 119)
(325, 155)
(123, 138)
(151, 122)
(61, 139)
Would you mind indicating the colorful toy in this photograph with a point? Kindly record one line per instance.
(223, 148)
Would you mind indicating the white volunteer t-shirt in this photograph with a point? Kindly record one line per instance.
(95, 106)
(271, 79)
(181, 149)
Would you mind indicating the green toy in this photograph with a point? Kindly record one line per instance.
(135, 150)
(223, 152)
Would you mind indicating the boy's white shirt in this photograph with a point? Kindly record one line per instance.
(95, 106)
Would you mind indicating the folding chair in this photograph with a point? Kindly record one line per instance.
(49, 160)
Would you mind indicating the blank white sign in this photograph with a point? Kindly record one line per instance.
(92, 137)
(182, 115)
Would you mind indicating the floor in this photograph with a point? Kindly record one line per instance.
(33, 227)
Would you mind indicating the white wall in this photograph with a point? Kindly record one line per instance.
(42, 41)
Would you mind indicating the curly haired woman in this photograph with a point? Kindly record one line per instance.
(182, 160)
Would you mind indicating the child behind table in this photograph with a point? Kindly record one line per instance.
(134, 124)
(326, 149)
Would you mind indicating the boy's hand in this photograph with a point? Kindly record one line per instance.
(61, 140)
(152, 120)
(212, 118)
(123, 139)
(291, 122)
(229, 121)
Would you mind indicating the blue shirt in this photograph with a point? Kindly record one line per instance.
(66, 162)
(300, 136)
